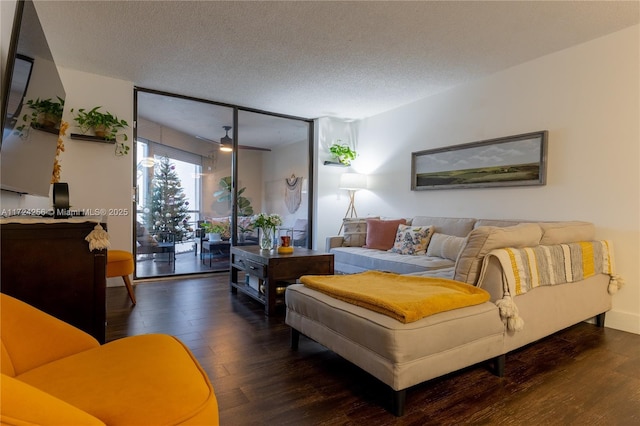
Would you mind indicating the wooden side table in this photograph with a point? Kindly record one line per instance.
(274, 270)
(214, 248)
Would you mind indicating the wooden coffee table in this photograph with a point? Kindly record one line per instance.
(274, 270)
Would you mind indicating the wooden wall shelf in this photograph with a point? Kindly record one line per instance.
(51, 130)
(335, 164)
(90, 138)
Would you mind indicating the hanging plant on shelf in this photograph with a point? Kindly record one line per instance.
(343, 153)
(46, 114)
(104, 125)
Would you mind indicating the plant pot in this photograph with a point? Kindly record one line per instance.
(101, 131)
(214, 236)
(47, 120)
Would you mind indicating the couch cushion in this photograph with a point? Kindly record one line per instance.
(382, 233)
(300, 229)
(486, 238)
(445, 246)
(22, 404)
(360, 259)
(145, 379)
(412, 240)
(49, 339)
(354, 231)
(446, 272)
(389, 338)
(498, 222)
(6, 365)
(459, 227)
(567, 232)
(400, 355)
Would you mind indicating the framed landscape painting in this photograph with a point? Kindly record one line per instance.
(519, 160)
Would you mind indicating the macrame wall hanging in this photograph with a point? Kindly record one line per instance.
(293, 193)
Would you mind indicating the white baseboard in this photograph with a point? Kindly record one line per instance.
(623, 321)
(115, 282)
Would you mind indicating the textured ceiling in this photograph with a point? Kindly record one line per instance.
(313, 59)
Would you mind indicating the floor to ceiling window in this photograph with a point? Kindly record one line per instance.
(193, 176)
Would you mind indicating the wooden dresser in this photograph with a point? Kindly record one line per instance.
(49, 266)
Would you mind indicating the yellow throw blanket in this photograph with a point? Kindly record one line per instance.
(403, 297)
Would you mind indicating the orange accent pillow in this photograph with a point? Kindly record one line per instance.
(381, 234)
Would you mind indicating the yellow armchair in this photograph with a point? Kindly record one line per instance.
(53, 373)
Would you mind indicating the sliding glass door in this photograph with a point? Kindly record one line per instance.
(279, 177)
(203, 169)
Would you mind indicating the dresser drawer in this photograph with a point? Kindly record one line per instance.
(251, 267)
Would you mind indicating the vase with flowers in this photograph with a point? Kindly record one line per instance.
(267, 224)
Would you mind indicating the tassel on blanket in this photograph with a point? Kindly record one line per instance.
(616, 282)
(98, 238)
(510, 314)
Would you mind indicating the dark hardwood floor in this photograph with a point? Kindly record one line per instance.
(583, 375)
(185, 262)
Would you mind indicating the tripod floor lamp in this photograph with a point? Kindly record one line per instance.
(352, 182)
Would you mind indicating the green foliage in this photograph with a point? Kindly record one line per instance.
(343, 153)
(46, 106)
(45, 113)
(215, 228)
(104, 124)
(266, 221)
(245, 229)
(224, 194)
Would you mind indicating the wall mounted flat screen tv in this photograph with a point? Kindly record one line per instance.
(27, 156)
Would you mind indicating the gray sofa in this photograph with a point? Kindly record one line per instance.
(478, 238)
(350, 257)
(396, 353)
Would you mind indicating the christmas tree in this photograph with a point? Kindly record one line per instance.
(168, 209)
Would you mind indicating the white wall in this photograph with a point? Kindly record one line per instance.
(97, 178)
(282, 163)
(332, 202)
(586, 96)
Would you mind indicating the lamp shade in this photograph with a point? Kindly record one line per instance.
(353, 181)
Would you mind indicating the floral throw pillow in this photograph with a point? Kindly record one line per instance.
(412, 240)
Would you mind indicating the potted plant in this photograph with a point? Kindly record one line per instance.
(45, 114)
(104, 125)
(214, 231)
(343, 153)
(224, 194)
(267, 224)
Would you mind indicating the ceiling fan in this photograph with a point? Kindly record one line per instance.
(226, 143)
